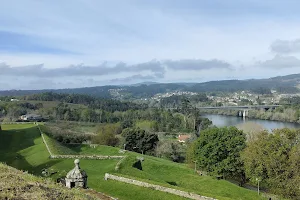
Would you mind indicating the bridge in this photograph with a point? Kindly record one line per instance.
(243, 110)
(266, 107)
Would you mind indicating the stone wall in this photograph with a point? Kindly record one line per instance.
(17, 122)
(117, 167)
(48, 149)
(92, 157)
(157, 187)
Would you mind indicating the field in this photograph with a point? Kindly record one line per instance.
(21, 147)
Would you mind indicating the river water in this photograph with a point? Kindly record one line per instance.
(223, 120)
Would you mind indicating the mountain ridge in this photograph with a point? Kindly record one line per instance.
(284, 84)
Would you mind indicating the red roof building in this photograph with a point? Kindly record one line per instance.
(183, 138)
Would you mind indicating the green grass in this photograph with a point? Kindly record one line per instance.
(21, 146)
(85, 149)
(57, 148)
(179, 176)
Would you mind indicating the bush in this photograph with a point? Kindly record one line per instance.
(106, 135)
(170, 150)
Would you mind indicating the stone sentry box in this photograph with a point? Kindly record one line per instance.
(76, 177)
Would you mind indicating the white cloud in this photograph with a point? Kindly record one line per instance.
(207, 35)
(286, 46)
(280, 62)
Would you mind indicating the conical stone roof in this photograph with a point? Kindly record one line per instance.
(76, 173)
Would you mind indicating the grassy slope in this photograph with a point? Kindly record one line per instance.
(24, 149)
(27, 145)
(179, 176)
(20, 185)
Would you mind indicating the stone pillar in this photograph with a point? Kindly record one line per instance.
(240, 113)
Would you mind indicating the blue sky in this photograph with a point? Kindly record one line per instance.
(80, 43)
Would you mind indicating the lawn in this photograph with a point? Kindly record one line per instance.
(21, 147)
(179, 176)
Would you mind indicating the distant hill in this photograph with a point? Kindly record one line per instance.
(283, 84)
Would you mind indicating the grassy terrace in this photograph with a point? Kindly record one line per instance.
(179, 176)
(80, 149)
(21, 147)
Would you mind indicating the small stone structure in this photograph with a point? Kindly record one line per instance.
(76, 177)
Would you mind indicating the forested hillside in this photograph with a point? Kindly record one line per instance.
(283, 84)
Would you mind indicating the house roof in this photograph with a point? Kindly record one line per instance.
(183, 137)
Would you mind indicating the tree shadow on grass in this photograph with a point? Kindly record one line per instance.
(138, 165)
(172, 183)
(14, 141)
(74, 147)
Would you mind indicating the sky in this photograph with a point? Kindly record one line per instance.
(80, 43)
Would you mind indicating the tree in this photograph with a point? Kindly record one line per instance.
(274, 159)
(126, 124)
(201, 124)
(185, 105)
(170, 150)
(139, 140)
(106, 135)
(217, 151)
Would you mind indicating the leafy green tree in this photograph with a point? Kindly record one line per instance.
(139, 140)
(185, 105)
(274, 159)
(106, 135)
(126, 124)
(201, 124)
(217, 151)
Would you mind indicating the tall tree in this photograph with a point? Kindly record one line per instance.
(139, 140)
(274, 159)
(217, 151)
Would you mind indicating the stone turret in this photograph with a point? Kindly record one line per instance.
(76, 177)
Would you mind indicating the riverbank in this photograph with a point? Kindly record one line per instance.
(227, 120)
(279, 114)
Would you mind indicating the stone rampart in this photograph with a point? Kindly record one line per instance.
(157, 187)
(92, 157)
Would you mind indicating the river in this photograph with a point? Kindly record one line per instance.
(224, 120)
